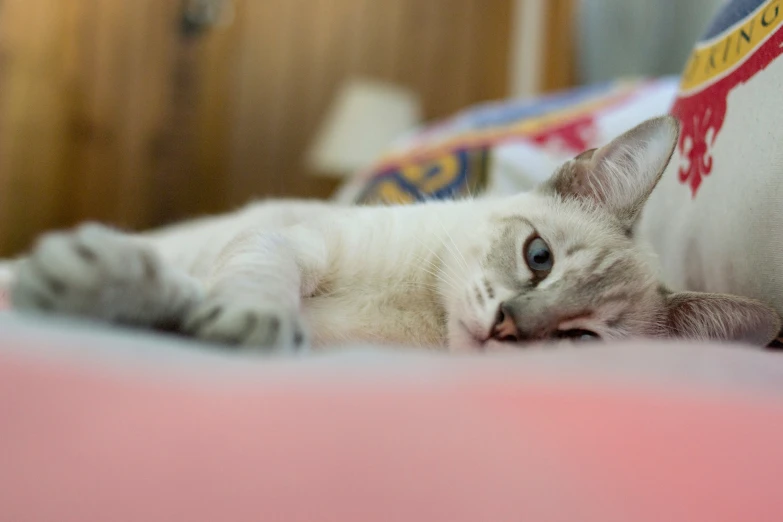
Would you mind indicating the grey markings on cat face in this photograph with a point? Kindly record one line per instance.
(597, 277)
(503, 257)
(589, 207)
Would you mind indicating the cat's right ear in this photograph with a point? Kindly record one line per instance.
(621, 175)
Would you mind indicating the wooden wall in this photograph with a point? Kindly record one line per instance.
(109, 111)
(559, 59)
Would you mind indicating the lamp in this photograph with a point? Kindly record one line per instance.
(364, 119)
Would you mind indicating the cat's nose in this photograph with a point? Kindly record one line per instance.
(505, 329)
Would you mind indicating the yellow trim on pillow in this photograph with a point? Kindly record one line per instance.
(716, 58)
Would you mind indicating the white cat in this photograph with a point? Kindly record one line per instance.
(559, 262)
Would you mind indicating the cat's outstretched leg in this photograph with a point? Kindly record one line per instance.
(254, 293)
(97, 273)
(251, 298)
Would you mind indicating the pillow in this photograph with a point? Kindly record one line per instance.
(715, 218)
(509, 146)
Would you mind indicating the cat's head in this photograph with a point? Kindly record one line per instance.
(561, 262)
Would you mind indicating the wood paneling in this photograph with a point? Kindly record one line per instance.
(107, 111)
(85, 97)
(559, 61)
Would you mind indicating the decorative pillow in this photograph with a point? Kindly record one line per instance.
(715, 218)
(507, 147)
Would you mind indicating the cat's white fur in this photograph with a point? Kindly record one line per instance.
(429, 275)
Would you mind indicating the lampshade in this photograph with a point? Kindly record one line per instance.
(365, 117)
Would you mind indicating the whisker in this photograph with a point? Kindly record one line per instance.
(471, 197)
(442, 279)
(412, 284)
(451, 276)
(447, 269)
(456, 249)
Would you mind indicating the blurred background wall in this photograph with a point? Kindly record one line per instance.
(142, 112)
(637, 37)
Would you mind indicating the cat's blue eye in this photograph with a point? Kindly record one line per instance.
(538, 257)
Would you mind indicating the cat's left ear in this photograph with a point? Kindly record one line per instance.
(721, 317)
(621, 175)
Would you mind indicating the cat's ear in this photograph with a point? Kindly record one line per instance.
(721, 317)
(621, 175)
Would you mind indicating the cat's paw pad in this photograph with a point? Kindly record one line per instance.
(91, 271)
(265, 327)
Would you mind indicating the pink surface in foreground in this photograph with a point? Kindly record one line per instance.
(78, 444)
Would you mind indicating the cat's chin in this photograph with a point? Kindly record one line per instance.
(463, 340)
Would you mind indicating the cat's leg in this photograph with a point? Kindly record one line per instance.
(255, 289)
(97, 273)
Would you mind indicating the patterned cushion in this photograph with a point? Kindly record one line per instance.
(509, 146)
(714, 219)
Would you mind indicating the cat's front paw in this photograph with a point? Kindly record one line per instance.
(262, 326)
(93, 272)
